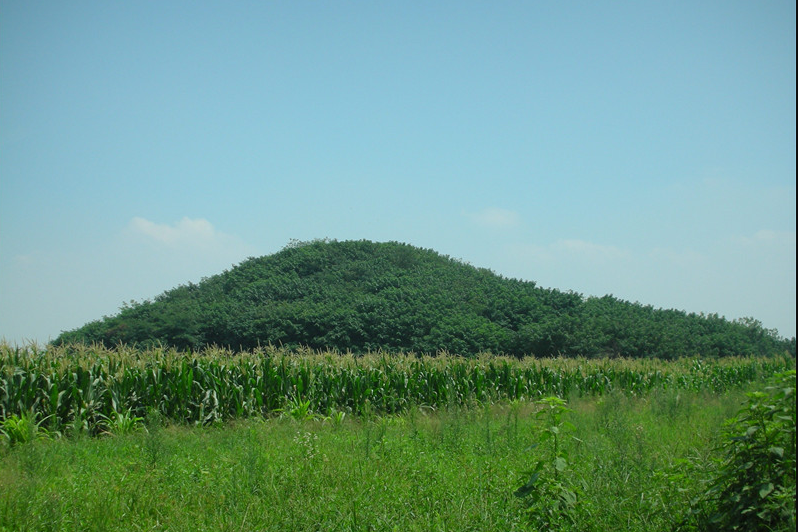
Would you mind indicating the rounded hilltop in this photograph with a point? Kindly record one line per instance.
(366, 296)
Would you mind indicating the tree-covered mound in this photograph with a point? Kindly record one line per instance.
(365, 296)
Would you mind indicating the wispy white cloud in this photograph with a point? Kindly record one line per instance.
(530, 253)
(767, 237)
(567, 251)
(25, 260)
(494, 217)
(684, 258)
(186, 231)
(188, 247)
(590, 250)
(196, 235)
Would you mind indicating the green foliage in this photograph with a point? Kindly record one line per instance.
(548, 493)
(121, 423)
(362, 296)
(448, 468)
(83, 390)
(22, 428)
(298, 410)
(755, 487)
(336, 417)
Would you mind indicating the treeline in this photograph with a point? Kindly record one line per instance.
(362, 296)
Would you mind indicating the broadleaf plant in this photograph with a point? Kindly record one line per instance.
(755, 488)
(550, 499)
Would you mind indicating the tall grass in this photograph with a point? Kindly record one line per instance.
(78, 389)
(631, 462)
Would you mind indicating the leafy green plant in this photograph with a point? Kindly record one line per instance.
(299, 410)
(260, 474)
(22, 429)
(755, 487)
(336, 417)
(549, 497)
(79, 388)
(120, 423)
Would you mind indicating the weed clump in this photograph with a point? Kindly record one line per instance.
(755, 487)
(22, 429)
(549, 496)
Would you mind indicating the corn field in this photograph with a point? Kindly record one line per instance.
(77, 387)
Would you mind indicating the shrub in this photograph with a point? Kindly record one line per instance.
(755, 487)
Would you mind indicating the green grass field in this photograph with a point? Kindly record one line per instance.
(121, 439)
(635, 462)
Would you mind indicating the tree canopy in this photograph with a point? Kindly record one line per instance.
(365, 296)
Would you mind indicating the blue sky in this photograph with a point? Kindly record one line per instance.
(640, 149)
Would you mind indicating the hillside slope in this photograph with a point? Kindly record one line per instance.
(366, 296)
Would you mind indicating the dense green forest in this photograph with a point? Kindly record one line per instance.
(364, 296)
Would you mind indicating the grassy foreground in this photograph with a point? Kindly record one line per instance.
(634, 462)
